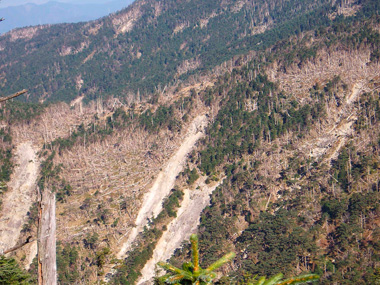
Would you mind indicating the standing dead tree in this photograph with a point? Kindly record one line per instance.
(47, 265)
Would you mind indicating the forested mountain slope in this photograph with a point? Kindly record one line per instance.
(151, 44)
(292, 138)
(297, 137)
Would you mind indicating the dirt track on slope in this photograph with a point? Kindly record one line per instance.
(179, 229)
(20, 196)
(152, 203)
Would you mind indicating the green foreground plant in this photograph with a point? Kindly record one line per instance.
(276, 280)
(11, 273)
(192, 273)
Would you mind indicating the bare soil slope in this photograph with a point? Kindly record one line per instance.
(20, 195)
(186, 223)
(152, 203)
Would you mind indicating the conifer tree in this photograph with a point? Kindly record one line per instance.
(11, 273)
(192, 273)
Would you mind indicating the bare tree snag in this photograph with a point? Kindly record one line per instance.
(3, 99)
(28, 240)
(47, 265)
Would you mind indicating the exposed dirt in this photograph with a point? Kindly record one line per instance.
(332, 138)
(31, 254)
(152, 202)
(344, 127)
(356, 89)
(20, 196)
(180, 228)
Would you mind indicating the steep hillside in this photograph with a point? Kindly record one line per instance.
(151, 44)
(20, 197)
(101, 159)
(268, 115)
(297, 137)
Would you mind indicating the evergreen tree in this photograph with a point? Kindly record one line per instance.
(11, 273)
(191, 272)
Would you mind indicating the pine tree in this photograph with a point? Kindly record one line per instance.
(11, 273)
(191, 272)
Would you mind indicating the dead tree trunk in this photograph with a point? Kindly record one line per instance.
(47, 266)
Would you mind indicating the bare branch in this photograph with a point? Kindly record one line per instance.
(14, 95)
(28, 240)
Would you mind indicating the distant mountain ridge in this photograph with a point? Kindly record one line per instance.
(150, 44)
(54, 12)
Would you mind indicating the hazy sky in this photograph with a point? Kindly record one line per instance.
(6, 3)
